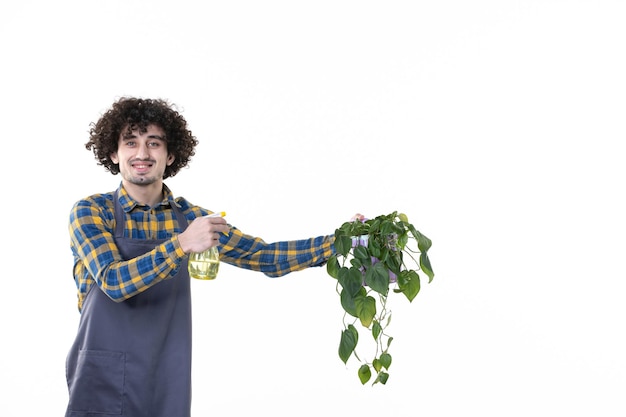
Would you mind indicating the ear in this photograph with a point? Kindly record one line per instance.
(114, 158)
(170, 159)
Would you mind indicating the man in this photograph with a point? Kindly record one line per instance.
(132, 352)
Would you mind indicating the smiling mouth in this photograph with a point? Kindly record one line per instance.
(142, 165)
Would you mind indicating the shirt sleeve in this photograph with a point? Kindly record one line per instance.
(97, 256)
(275, 259)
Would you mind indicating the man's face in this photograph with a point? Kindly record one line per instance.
(142, 157)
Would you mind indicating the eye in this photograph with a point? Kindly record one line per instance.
(154, 144)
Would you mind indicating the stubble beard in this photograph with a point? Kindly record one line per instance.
(141, 180)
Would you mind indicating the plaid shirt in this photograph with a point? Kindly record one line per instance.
(97, 259)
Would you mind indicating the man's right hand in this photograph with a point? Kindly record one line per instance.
(202, 233)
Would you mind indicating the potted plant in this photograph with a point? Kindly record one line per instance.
(373, 256)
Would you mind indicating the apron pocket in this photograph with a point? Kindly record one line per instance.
(98, 383)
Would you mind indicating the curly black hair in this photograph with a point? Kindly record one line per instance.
(132, 113)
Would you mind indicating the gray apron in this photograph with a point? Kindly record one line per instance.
(133, 358)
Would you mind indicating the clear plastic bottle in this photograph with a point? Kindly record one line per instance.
(204, 265)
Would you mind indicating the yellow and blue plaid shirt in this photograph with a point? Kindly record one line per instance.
(98, 261)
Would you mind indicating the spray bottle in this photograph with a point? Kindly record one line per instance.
(204, 265)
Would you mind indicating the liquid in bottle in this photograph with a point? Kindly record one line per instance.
(204, 265)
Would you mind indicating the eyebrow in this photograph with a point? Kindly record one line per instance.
(157, 137)
(132, 135)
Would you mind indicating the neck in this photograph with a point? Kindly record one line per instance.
(150, 194)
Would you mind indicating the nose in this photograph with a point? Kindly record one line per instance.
(142, 150)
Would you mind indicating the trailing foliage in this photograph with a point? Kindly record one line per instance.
(372, 257)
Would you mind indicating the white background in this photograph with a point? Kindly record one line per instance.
(496, 126)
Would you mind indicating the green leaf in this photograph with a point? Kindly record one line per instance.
(383, 255)
(374, 226)
(377, 365)
(409, 283)
(343, 244)
(385, 360)
(342, 276)
(354, 228)
(360, 252)
(394, 261)
(356, 263)
(365, 309)
(364, 374)
(377, 278)
(425, 266)
(354, 331)
(348, 342)
(361, 263)
(387, 227)
(351, 279)
(423, 243)
(375, 248)
(347, 302)
(332, 266)
(403, 239)
(382, 378)
(354, 281)
(376, 329)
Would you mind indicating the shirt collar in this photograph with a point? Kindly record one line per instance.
(128, 203)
